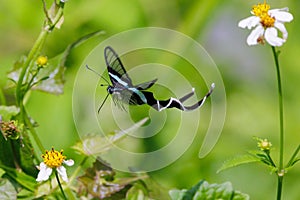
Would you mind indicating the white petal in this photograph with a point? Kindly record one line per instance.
(286, 9)
(63, 173)
(254, 35)
(249, 22)
(69, 162)
(44, 173)
(272, 38)
(280, 15)
(282, 29)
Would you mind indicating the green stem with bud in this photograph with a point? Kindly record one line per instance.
(22, 89)
(27, 64)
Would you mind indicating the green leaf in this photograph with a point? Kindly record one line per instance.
(97, 144)
(14, 74)
(177, 194)
(18, 152)
(137, 192)
(154, 189)
(99, 182)
(218, 191)
(23, 179)
(77, 43)
(7, 112)
(239, 160)
(26, 195)
(54, 84)
(185, 194)
(50, 79)
(26, 156)
(6, 153)
(7, 190)
(205, 191)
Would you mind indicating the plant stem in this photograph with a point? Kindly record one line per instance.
(279, 187)
(32, 54)
(271, 160)
(32, 130)
(280, 172)
(292, 160)
(59, 184)
(75, 173)
(35, 50)
(281, 138)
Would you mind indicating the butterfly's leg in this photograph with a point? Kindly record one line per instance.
(102, 103)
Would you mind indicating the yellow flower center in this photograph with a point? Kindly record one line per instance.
(53, 158)
(261, 10)
(265, 145)
(42, 60)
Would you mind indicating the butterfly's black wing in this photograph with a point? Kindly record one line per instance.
(160, 105)
(146, 85)
(116, 70)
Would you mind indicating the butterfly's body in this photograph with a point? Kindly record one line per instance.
(123, 90)
(127, 94)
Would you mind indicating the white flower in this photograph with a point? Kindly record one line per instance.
(266, 23)
(53, 159)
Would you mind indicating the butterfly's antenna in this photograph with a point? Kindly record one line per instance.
(97, 74)
(102, 103)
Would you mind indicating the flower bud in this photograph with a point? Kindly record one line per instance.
(42, 61)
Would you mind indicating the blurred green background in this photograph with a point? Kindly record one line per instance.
(248, 74)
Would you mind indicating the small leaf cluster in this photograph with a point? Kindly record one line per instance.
(262, 155)
(205, 191)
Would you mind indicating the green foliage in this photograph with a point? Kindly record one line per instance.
(201, 20)
(21, 178)
(205, 191)
(7, 190)
(27, 155)
(238, 160)
(137, 191)
(49, 78)
(97, 144)
(53, 74)
(7, 112)
(99, 182)
(15, 151)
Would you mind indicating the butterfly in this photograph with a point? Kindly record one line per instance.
(123, 90)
